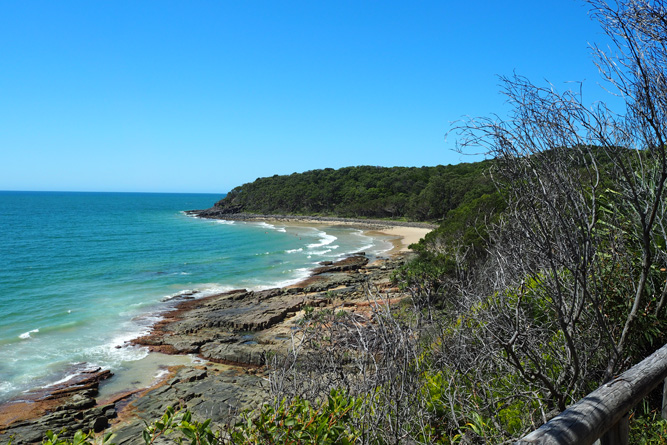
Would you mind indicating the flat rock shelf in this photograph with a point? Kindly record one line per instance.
(232, 333)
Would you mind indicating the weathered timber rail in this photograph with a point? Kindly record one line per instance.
(603, 414)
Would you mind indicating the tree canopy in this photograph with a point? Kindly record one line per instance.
(414, 193)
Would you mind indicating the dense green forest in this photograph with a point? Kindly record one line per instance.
(414, 193)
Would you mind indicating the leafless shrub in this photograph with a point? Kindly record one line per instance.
(373, 352)
(564, 258)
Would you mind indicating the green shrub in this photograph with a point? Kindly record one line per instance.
(298, 422)
(193, 432)
(647, 426)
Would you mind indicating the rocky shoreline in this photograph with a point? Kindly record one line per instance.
(233, 332)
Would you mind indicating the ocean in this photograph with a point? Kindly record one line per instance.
(83, 273)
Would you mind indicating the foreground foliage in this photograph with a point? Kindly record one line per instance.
(298, 421)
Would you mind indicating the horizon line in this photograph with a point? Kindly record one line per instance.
(112, 191)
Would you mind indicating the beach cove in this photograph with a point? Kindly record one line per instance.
(230, 364)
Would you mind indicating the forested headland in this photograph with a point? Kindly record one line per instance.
(412, 193)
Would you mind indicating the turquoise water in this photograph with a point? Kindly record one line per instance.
(82, 273)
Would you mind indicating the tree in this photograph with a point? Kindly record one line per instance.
(585, 200)
(638, 71)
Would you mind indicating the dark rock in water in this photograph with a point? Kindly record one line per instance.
(351, 263)
(183, 295)
(211, 330)
(217, 328)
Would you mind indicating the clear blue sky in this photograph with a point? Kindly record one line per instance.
(201, 96)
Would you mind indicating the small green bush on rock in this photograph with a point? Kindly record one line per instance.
(298, 422)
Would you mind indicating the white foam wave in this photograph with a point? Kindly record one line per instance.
(370, 250)
(370, 241)
(208, 289)
(61, 381)
(6, 387)
(27, 335)
(266, 225)
(320, 252)
(160, 374)
(80, 368)
(299, 274)
(366, 247)
(300, 249)
(225, 222)
(193, 216)
(119, 349)
(325, 240)
(183, 293)
(204, 290)
(125, 353)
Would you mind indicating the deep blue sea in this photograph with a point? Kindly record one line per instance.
(82, 273)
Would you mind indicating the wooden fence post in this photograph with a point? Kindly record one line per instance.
(603, 414)
(618, 434)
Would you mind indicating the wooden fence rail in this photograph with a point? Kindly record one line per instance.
(603, 414)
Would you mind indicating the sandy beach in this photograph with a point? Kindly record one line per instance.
(402, 237)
